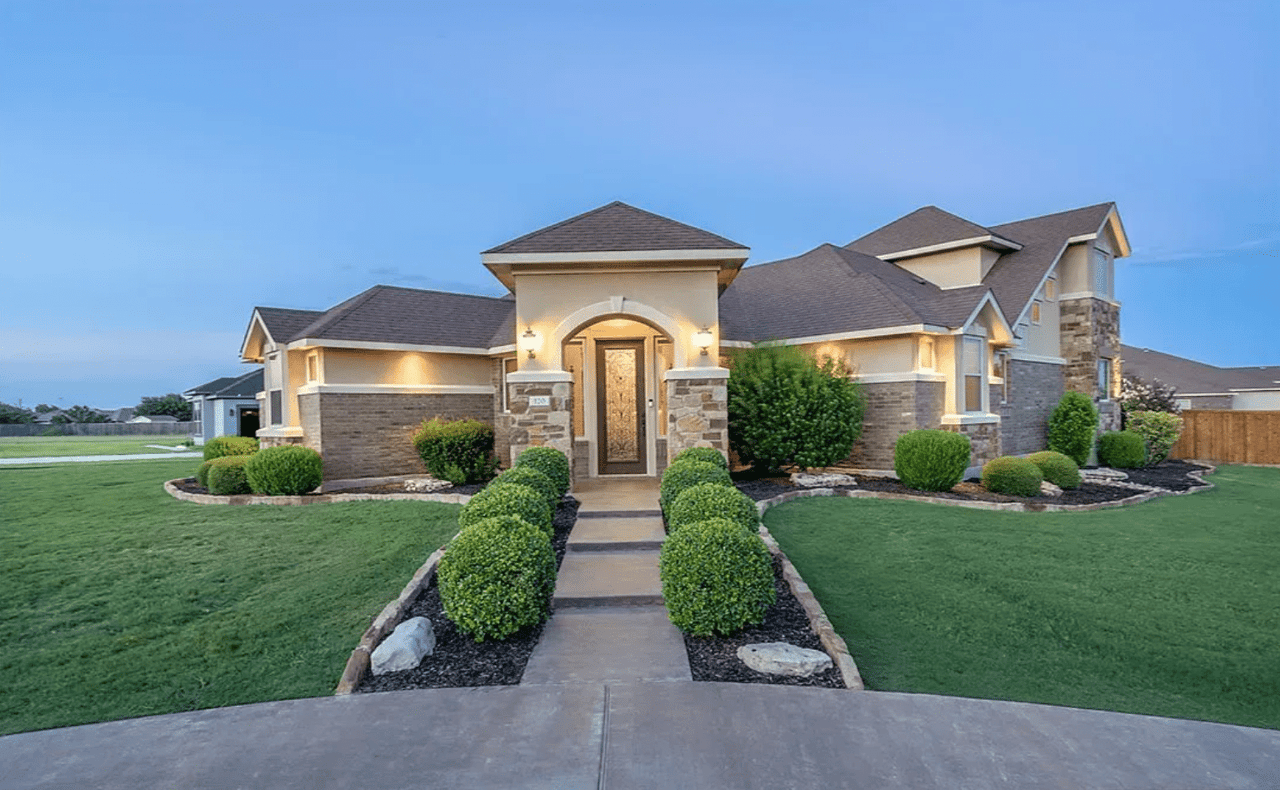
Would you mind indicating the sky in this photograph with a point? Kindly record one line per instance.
(167, 166)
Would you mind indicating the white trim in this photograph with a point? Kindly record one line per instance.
(613, 306)
(970, 419)
(952, 245)
(694, 373)
(905, 329)
(615, 256)
(308, 342)
(398, 389)
(282, 432)
(1082, 237)
(987, 298)
(510, 348)
(539, 377)
(1025, 356)
(887, 378)
(1253, 389)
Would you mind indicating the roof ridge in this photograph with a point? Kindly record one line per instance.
(557, 225)
(336, 313)
(1110, 203)
(636, 214)
(436, 291)
(877, 283)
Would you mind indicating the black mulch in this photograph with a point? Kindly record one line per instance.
(1172, 475)
(190, 486)
(715, 658)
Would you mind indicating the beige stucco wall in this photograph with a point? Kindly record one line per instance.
(872, 356)
(351, 366)
(1044, 339)
(953, 268)
(1074, 273)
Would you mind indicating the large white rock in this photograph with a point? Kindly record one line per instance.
(404, 647)
(822, 481)
(425, 484)
(1049, 489)
(783, 658)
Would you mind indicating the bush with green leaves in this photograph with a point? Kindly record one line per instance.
(1138, 395)
(1159, 429)
(460, 451)
(528, 476)
(1122, 450)
(1012, 475)
(1057, 469)
(202, 473)
(708, 455)
(496, 577)
(226, 475)
(931, 460)
(1072, 426)
(713, 500)
(288, 470)
(511, 499)
(551, 462)
(229, 445)
(677, 477)
(788, 409)
(716, 578)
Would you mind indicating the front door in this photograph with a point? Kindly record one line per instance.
(620, 406)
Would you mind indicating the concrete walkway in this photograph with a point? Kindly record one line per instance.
(80, 459)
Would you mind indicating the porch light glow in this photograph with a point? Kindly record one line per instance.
(529, 341)
(702, 339)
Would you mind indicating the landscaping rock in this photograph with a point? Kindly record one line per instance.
(1102, 474)
(1049, 489)
(781, 658)
(822, 481)
(405, 647)
(425, 484)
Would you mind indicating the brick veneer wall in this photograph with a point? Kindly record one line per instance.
(893, 408)
(1034, 390)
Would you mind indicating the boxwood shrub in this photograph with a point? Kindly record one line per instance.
(716, 577)
(1012, 475)
(551, 462)
(1057, 469)
(226, 475)
(229, 445)
(202, 473)
(677, 477)
(1072, 425)
(496, 577)
(460, 451)
(931, 460)
(531, 477)
(511, 499)
(708, 454)
(710, 500)
(284, 471)
(1122, 449)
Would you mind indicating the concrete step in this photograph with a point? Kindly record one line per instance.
(608, 578)
(608, 645)
(607, 495)
(617, 534)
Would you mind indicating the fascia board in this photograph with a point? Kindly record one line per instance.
(256, 318)
(952, 245)
(615, 256)
(888, 331)
(308, 342)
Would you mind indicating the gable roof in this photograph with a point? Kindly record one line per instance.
(283, 323)
(246, 385)
(391, 314)
(923, 229)
(615, 227)
(1190, 377)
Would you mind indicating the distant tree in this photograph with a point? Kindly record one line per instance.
(171, 404)
(85, 414)
(45, 408)
(13, 415)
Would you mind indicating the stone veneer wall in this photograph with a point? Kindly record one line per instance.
(984, 440)
(371, 434)
(538, 426)
(894, 408)
(1091, 329)
(697, 415)
(1034, 391)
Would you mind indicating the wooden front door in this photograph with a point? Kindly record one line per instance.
(620, 407)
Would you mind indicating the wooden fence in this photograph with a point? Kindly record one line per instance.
(104, 429)
(1230, 437)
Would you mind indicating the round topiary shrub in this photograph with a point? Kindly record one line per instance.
(677, 477)
(931, 460)
(226, 475)
(708, 455)
(520, 501)
(1057, 469)
(229, 445)
(496, 577)
(202, 473)
(531, 477)
(551, 462)
(1122, 449)
(1072, 425)
(712, 500)
(284, 471)
(716, 577)
(1011, 475)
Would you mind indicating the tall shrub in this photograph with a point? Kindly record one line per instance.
(931, 460)
(284, 471)
(1072, 426)
(787, 408)
(1159, 429)
(460, 451)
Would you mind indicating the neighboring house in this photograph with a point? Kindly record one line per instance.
(226, 407)
(608, 346)
(154, 418)
(122, 415)
(1201, 386)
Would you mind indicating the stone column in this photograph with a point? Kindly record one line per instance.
(697, 409)
(541, 406)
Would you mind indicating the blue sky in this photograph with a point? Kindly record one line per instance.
(167, 166)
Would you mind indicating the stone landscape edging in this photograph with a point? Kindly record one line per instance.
(310, 499)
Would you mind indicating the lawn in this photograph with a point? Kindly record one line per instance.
(1168, 608)
(120, 601)
(60, 446)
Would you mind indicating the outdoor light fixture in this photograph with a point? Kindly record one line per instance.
(529, 341)
(702, 339)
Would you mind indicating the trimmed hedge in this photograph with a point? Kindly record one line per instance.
(284, 471)
(531, 477)
(511, 499)
(460, 451)
(1122, 449)
(551, 462)
(496, 577)
(677, 477)
(223, 446)
(711, 500)
(708, 455)
(716, 578)
(1012, 475)
(202, 473)
(931, 460)
(226, 475)
(1072, 425)
(1057, 469)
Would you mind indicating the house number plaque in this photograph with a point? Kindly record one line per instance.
(539, 400)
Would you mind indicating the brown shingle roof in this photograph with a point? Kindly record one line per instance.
(615, 227)
(283, 323)
(1194, 378)
(923, 227)
(389, 314)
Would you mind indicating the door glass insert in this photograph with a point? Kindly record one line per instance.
(622, 442)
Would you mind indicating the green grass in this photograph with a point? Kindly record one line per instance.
(1168, 608)
(120, 601)
(59, 446)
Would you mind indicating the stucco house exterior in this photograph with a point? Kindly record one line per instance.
(611, 343)
(227, 406)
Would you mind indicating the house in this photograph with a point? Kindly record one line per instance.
(608, 345)
(226, 407)
(1202, 386)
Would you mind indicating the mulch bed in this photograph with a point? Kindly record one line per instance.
(190, 486)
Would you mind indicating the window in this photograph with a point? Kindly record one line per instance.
(973, 369)
(926, 354)
(1035, 312)
(1102, 274)
(195, 415)
(313, 366)
(1050, 289)
(277, 407)
(1003, 370)
(1104, 378)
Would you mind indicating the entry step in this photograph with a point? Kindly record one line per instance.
(608, 578)
(617, 534)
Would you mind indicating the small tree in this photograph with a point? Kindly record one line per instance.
(172, 404)
(85, 414)
(787, 408)
(1137, 395)
(1072, 426)
(13, 415)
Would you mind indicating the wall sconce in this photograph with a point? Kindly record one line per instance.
(702, 339)
(529, 341)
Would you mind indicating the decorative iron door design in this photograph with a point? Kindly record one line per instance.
(620, 406)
